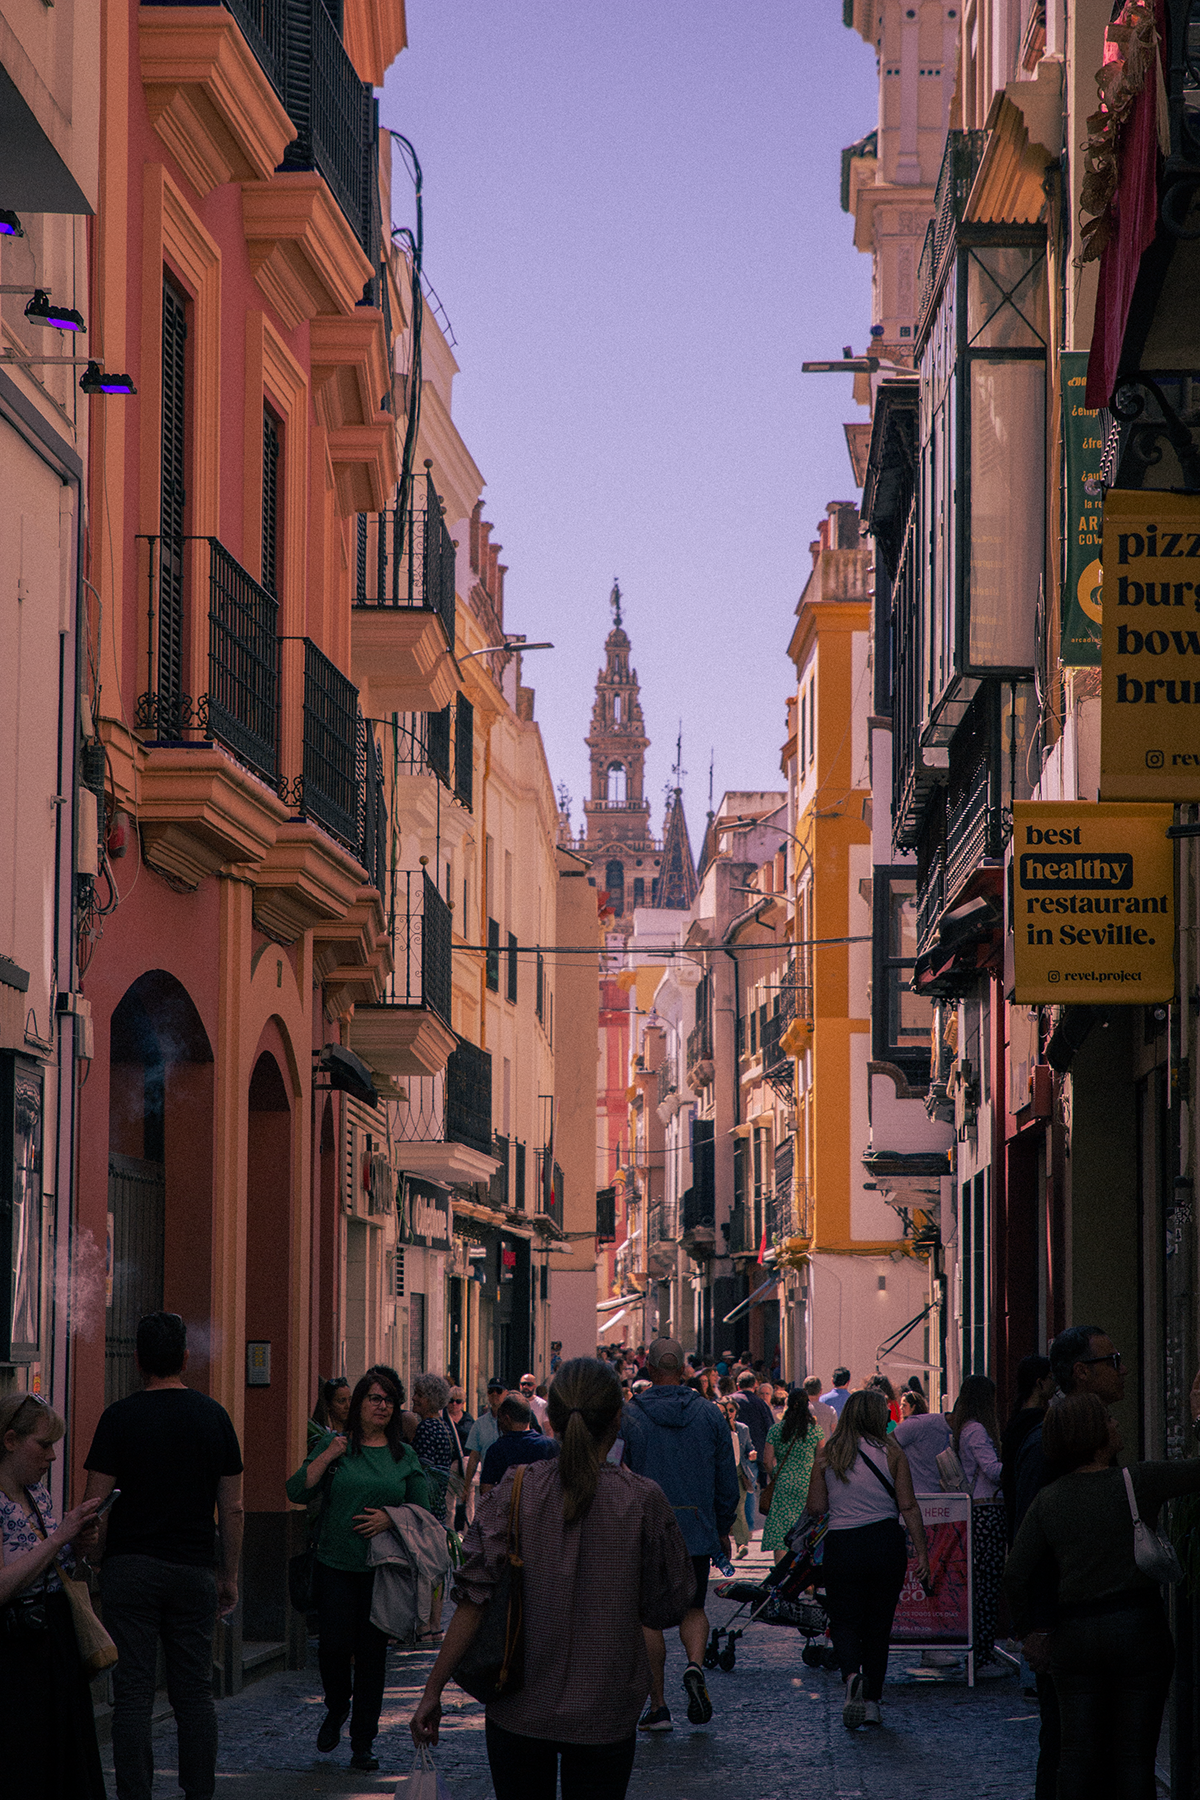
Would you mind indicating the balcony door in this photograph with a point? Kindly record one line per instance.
(169, 672)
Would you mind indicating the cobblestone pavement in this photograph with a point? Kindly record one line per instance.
(776, 1732)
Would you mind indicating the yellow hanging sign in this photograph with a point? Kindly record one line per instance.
(1150, 659)
(1093, 904)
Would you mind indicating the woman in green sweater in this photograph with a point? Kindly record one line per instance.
(369, 1468)
(1111, 1653)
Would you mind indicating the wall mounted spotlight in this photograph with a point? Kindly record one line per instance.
(95, 381)
(10, 225)
(42, 310)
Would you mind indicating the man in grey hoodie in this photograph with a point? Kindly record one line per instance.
(676, 1437)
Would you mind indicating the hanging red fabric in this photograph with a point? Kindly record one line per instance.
(1135, 220)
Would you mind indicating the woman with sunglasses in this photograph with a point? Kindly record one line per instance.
(366, 1468)
(51, 1753)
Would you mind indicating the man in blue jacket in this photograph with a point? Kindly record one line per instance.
(676, 1437)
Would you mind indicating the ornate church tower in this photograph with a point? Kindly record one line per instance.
(624, 855)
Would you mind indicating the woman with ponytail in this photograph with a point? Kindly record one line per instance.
(602, 1558)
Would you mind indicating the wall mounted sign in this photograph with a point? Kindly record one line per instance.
(1093, 904)
(1083, 502)
(426, 1215)
(1150, 681)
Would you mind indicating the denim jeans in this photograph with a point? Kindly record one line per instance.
(146, 1600)
(526, 1768)
(1111, 1673)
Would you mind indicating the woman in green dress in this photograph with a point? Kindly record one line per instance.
(788, 1456)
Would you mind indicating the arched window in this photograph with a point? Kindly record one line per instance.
(616, 784)
(614, 881)
(616, 709)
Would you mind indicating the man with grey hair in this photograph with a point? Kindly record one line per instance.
(682, 1441)
(821, 1411)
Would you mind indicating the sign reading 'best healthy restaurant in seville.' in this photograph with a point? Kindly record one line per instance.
(1150, 659)
(1093, 904)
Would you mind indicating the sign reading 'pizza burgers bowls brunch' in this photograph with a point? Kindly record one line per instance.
(1150, 679)
(1093, 904)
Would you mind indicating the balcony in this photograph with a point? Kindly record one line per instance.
(549, 1187)
(409, 1034)
(195, 821)
(497, 1191)
(700, 1054)
(403, 621)
(213, 78)
(742, 1238)
(444, 1126)
(334, 115)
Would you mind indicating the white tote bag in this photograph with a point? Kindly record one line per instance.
(423, 1781)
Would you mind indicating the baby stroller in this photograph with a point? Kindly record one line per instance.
(783, 1597)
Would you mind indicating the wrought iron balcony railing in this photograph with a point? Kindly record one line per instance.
(330, 791)
(960, 165)
(454, 1107)
(699, 1045)
(549, 1186)
(405, 558)
(419, 923)
(334, 115)
(241, 708)
(497, 1191)
(667, 1084)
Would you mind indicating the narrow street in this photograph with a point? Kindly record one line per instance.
(776, 1733)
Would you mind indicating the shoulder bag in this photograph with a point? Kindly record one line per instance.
(766, 1492)
(494, 1664)
(302, 1569)
(96, 1649)
(1152, 1552)
(951, 1473)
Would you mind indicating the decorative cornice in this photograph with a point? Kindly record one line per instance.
(303, 254)
(348, 358)
(365, 468)
(208, 98)
(305, 879)
(199, 810)
(374, 33)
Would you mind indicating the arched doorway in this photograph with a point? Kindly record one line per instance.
(159, 1173)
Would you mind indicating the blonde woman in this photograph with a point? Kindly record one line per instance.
(603, 1559)
(861, 1478)
(50, 1750)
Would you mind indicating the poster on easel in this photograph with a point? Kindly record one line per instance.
(941, 1618)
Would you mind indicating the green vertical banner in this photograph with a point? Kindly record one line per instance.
(1083, 510)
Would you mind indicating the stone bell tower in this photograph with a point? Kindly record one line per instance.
(624, 855)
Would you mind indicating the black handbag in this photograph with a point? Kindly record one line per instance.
(302, 1569)
(494, 1664)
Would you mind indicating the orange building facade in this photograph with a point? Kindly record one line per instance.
(240, 276)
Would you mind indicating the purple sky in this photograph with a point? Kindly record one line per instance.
(632, 219)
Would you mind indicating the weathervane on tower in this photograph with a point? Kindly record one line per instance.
(614, 600)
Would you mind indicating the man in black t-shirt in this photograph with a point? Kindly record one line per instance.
(174, 1455)
(519, 1442)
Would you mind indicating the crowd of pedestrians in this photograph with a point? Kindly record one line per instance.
(614, 1492)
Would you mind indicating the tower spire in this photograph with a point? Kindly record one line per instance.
(614, 600)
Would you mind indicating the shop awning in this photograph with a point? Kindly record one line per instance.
(621, 1300)
(751, 1300)
(615, 1320)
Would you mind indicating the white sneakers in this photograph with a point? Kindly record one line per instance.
(871, 1713)
(854, 1712)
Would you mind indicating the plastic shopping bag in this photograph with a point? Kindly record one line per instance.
(423, 1781)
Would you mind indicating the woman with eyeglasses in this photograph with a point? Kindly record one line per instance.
(50, 1751)
(367, 1468)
